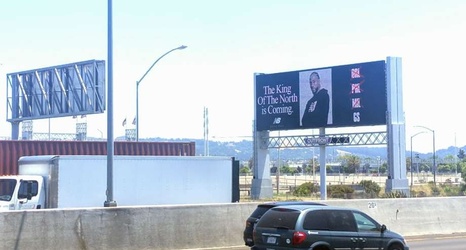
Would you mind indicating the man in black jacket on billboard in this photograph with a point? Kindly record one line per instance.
(316, 111)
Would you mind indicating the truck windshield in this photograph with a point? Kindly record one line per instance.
(7, 187)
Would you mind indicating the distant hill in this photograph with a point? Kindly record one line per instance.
(243, 150)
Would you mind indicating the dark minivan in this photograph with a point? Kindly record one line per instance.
(261, 209)
(323, 228)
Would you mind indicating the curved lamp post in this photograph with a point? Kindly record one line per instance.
(434, 169)
(138, 82)
(411, 167)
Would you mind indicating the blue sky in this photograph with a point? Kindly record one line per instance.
(230, 40)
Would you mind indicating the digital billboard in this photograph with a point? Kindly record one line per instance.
(339, 96)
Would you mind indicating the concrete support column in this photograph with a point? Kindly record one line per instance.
(261, 186)
(397, 180)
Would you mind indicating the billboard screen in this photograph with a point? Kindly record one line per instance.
(339, 96)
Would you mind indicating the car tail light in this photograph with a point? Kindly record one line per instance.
(298, 238)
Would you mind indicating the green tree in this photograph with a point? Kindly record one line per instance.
(365, 168)
(308, 169)
(424, 167)
(444, 168)
(351, 164)
(286, 169)
(313, 163)
(245, 170)
(461, 154)
(299, 169)
(449, 158)
(251, 164)
(408, 163)
(462, 168)
(383, 168)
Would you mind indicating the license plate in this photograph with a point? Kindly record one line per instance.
(271, 240)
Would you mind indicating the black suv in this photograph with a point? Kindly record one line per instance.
(323, 228)
(260, 210)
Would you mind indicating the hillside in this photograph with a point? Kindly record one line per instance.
(243, 150)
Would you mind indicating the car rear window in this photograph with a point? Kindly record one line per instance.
(279, 218)
(260, 210)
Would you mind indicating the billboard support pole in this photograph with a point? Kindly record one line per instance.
(323, 167)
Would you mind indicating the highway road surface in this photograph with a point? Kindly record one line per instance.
(424, 242)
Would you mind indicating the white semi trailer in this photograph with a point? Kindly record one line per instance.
(76, 181)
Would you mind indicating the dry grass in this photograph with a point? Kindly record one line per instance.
(419, 190)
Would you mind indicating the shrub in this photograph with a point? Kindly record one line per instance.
(340, 191)
(396, 194)
(450, 191)
(418, 194)
(463, 188)
(306, 189)
(435, 190)
(370, 187)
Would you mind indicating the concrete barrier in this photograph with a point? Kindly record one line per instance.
(414, 216)
(200, 226)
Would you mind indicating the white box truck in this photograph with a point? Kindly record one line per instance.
(76, 181)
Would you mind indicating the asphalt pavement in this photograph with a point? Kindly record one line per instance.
(414, 240)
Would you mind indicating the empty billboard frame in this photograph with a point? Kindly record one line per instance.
(58, 91)
(338, 96)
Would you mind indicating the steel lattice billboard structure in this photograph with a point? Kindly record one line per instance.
(65, 90)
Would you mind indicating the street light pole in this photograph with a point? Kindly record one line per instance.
(433, 146)
(434, 170)
(411, 167)
(138, 82)
(110, 202)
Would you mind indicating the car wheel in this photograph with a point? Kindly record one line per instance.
(396, 247)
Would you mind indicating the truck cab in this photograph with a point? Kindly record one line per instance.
(20, 192)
